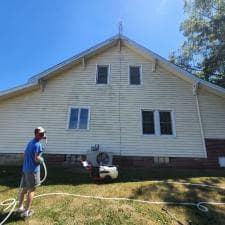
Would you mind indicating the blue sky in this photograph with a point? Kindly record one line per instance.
(36, 35)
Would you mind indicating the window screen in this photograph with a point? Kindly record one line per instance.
(135, 75)
(165, 123)
(148, 122)
(102, 75)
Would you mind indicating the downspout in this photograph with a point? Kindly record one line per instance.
(195, 93)
(119, 95)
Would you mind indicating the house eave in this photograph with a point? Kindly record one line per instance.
(13, 92)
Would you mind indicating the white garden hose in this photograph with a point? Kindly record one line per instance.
(200, 205)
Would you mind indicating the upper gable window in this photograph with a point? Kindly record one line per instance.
(102, 75)
(135, 75)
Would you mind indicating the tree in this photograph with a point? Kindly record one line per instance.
(203, 51)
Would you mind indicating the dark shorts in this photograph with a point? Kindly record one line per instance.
(30, 180)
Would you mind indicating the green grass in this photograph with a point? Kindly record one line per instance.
(135, 184)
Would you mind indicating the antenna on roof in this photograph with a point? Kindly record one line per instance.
(120, 27)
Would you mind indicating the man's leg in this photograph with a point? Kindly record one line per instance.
(34, 179)
(30, 196)
(21, 198)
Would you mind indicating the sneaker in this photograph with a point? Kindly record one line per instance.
(21, 210)
(27, 215)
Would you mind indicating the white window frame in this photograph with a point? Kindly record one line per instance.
(157, 122)
(108, 75)
(79, 108)
(141, 72)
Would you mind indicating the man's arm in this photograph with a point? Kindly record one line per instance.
(38, 153)
(38, 158)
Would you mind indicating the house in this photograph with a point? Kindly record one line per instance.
(124, 97)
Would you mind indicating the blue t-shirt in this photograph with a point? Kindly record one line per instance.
(29, 164)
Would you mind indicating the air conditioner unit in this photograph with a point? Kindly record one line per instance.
(100, 158)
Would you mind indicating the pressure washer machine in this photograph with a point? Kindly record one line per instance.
(99, 165)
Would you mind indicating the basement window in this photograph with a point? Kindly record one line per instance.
(161, 160)
(79, 118)
(102, 75)
(222, 161)
(134, 75)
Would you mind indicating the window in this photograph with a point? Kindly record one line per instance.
(102, 74)
(165, 123)
(148, 122)
(135, 75)
(161, 160)
(79, 118)
(222, 161)
(158, 122)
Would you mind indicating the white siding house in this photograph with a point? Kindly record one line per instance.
(112, 110)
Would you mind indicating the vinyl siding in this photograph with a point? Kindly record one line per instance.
(213, 115)
(18, 117)
(77, 87)
(160, 91)
(115, 111)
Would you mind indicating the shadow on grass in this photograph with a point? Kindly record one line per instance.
(10, 176)
(56, 176)
(179, 193)
(12, 218)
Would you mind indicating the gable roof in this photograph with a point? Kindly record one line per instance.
(34, 82)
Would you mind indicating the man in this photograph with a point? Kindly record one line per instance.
(31, 171)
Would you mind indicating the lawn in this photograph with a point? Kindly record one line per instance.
(132, 184)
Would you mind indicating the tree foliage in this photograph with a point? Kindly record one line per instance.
(203, 51)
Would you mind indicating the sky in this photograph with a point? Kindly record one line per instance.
(35, 35)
